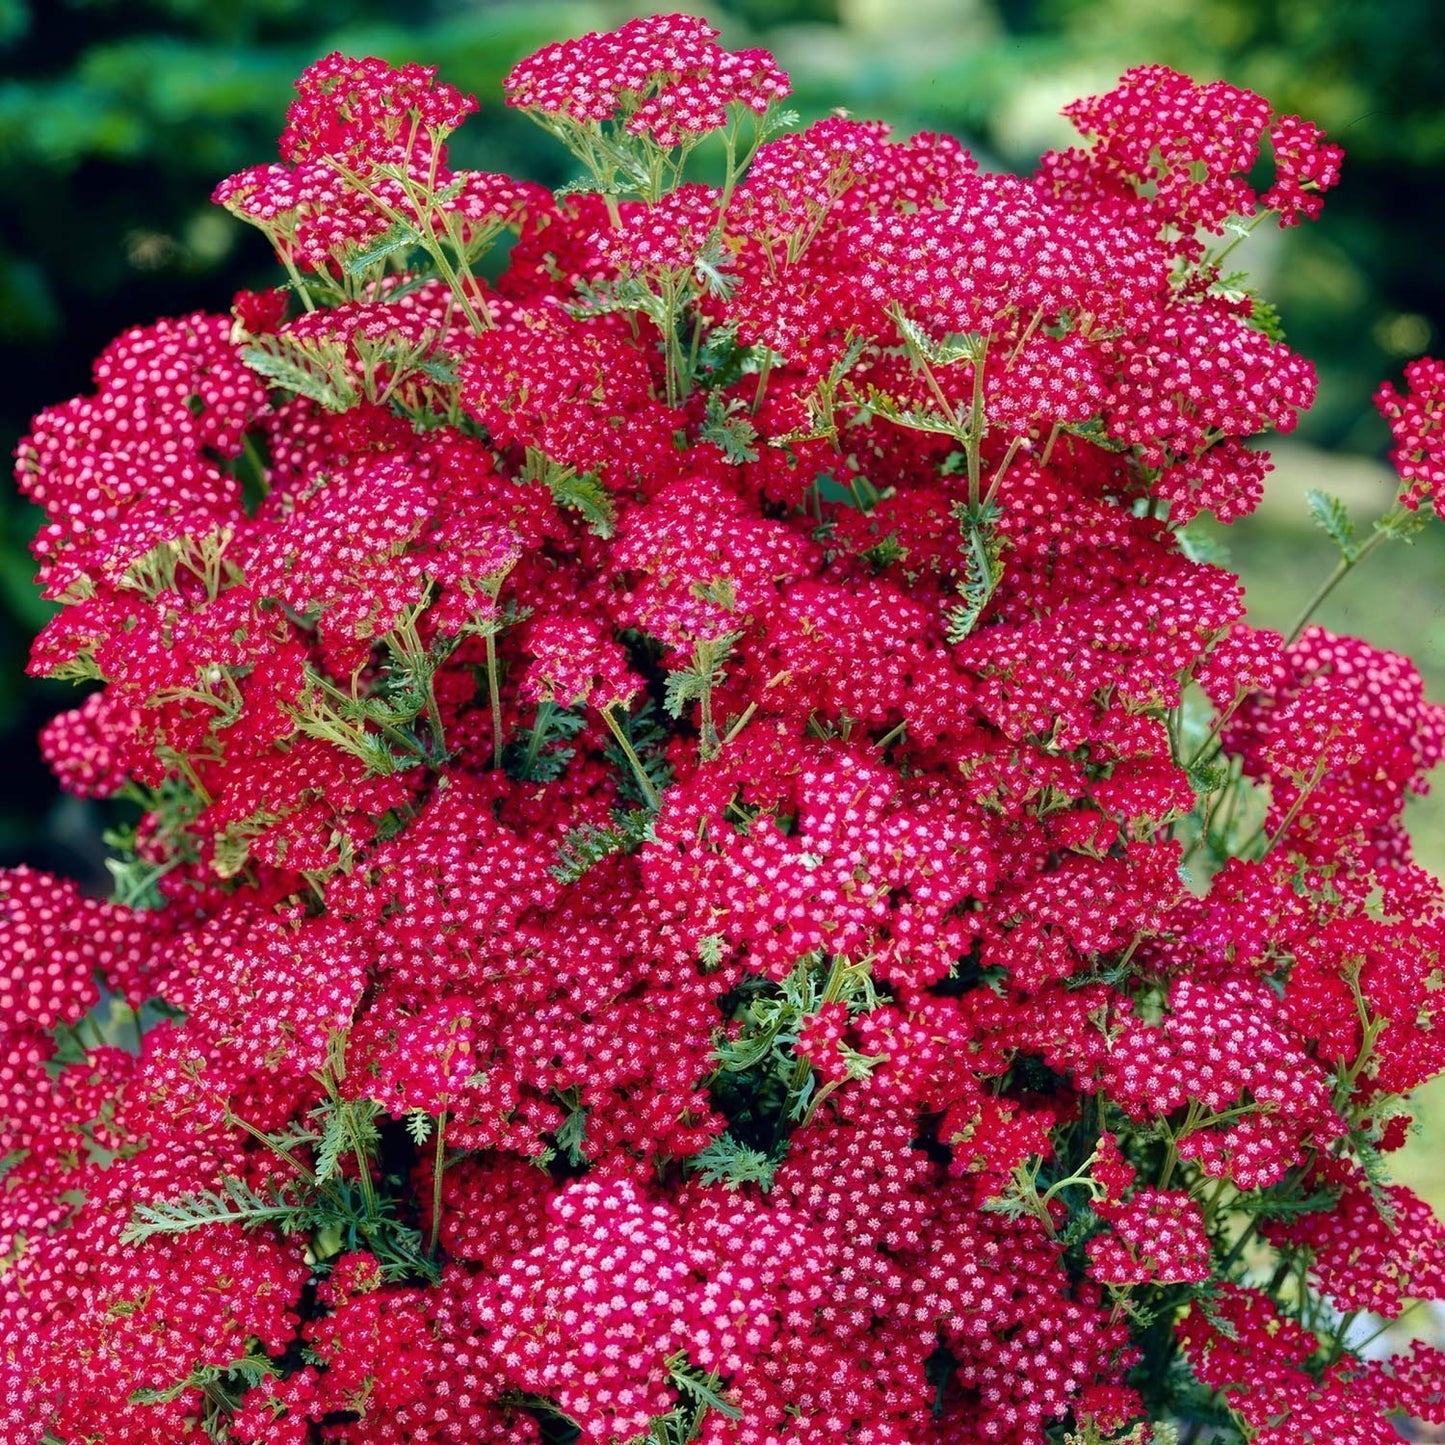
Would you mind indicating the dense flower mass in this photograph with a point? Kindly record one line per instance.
(700, 854)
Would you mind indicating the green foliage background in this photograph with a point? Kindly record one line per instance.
(118, 116)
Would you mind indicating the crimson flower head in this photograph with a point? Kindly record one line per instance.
(1192, 146)
(1416, 419)
(368, 113)
(663, 76)
(1305, 166)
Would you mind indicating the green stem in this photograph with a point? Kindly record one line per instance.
(763, 370)
(1191, 1436)
(422, 204)
(141, 884)
(1294, 811)
(693, 349)
(494, 692)
(730, 140)
(296, 280)
(1215, 728)
(353, 738)
(1343, 568)
(184, 766)
(891, 736)
(949, 415)
(677, 387)
(1387, 1326)
(1049, 445)
(1337, 1349)
(644, 783)
(1248, 231)
(1239, 1246)
(273, 1146)
(739, 723)
(539, 736)
(363, 1164)
(428, 239)
(1234, 780)
(973, 447)
(1370, 1031)
(415, 654)
(1002, 469)
(1024, 339)
(437, 1168)
(481, 321)
(248, 448)
(1171, 1159)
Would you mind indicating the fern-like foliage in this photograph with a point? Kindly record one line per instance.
(1330, 514)
(235, 1202)
(621, 294)
(879, 403)
(730, 1162)
(696, 682)
(722, 360)
(701, 1387)
(348, 1125)
(396, 238)
(337, 1211)
(698, 1392)
(223, 1384)
(726, 425)
(315, 369)
(982, 566)
(941, 351)
(573, 491)
(583, 848)
(762, 1085)
(338, 1216)
(571, 1135)
(540, 754)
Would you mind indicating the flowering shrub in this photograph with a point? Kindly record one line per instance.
(711, 859)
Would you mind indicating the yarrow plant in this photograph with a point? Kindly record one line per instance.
(709, 857)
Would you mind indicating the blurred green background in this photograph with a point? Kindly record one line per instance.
(118, 116)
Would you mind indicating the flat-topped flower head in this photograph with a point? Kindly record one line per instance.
(368, 113)
(1189, 149)
(662, 76)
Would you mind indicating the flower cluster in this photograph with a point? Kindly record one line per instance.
(665, 76)
(699, 854)
(1417, 422)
